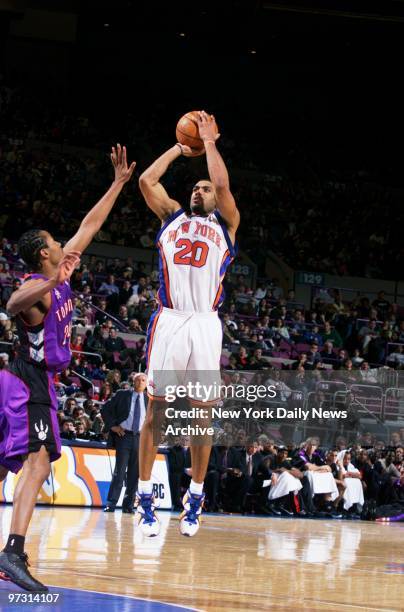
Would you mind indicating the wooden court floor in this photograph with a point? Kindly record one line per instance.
(234, 562)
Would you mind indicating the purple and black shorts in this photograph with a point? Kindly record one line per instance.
(28, 414)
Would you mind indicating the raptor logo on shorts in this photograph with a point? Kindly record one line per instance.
(41, 430)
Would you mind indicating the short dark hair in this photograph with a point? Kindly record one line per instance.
(29, 247)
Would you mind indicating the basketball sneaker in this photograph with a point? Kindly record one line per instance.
(14, 567)
(145, 513)
(190, 518)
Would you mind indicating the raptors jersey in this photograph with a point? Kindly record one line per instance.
(48, 343)
(194, 254)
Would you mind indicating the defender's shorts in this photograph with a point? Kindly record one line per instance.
(28, 414)
(183, 348)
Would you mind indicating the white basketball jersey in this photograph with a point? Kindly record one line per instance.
(194, 254)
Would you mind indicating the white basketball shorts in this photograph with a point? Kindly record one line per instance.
(184, 348)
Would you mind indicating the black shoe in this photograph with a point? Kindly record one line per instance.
(331, 512)
(285, 511)
(319, 514)
(273, 510)
(15, 568)
(302, 513)
(109, 509)
(128, 511)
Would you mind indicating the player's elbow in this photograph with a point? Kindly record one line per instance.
(12, 307)
(145, 180)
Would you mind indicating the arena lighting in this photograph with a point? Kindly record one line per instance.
(106, 25)
(253, 52)
(182, 34)
(331, 12)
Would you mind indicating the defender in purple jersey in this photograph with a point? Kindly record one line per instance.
(43, 306)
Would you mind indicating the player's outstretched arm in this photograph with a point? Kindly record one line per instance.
(218, 173)
(157, 198)
(94, 220)
(37, 291)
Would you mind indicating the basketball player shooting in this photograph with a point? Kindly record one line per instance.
(185, 332)
(29, 431)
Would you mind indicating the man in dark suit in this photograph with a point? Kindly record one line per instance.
(176, 466)
(123, 417)
(238, 468)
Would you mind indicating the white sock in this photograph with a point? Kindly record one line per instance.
(196, 488)
(145, 486)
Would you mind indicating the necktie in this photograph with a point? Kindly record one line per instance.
(136, 415)
(250, 466)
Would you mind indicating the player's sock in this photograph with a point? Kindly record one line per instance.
(196, 488)
(15, 544)
(145, 486)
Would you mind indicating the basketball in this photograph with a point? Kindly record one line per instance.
(187, 133)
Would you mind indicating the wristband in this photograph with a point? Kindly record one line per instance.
(177, 144)
(208, 141)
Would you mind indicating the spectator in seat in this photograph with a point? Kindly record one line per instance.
(382, 305)
(351, 477)
(108, 287)
(68, 431)
(134, 327)
(313, 355)
(368, 376)
(8, 290)
(327, 354)
(283, 497)
(297, 326)
(69, 405)
(242, 358)
(395, 439)
(125, 292)
(341, 358)
(123, 315)
(318, 474)
(357, 360)
(396, 358)
(367, 333)
(97, 423)
(114, 379)
(332, 335)
(313, 335)
(101, 315)
(257, 362)
(114, 344)
(280, 330)
(106, 392)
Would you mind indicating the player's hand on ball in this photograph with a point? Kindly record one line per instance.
(207, 127)
(67, 266)
(123, 173)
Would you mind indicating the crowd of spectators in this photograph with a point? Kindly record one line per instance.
(318, 219)
(259, 474)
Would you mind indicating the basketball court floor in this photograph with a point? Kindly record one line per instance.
(94, 560)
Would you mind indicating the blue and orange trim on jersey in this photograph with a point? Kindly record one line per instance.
(232, 248)
(228, 257)
(164, 289)
(220, 295)
(151, 329)
(164, 296)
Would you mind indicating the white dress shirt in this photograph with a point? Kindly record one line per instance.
(128, 423)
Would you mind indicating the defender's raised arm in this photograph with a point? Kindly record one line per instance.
(94, 219)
